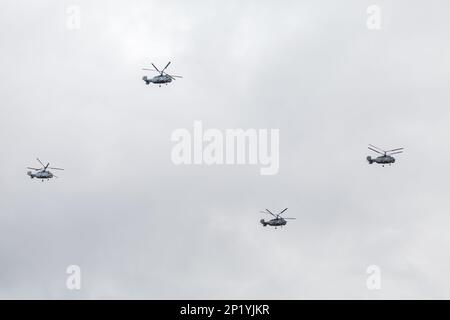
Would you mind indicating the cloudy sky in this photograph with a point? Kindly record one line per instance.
(141, 227)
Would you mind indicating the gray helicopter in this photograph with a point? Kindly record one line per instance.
(162, 78)
(386, 155)
(42, 173)
(277, 221)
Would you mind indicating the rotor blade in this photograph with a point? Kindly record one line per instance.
(282, 211)
(149, 69)
(56, 168)
(40, 162)
(45, 168)
(155, 68)
(395, 152)
(165, 67)
(174, 76)
(268, 211)
(376, 150)
(394, 149)
(290, 218)
(33, 168)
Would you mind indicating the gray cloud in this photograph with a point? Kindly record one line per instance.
(141, 227)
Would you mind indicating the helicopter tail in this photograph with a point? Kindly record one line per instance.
(369, 159)
(263, 222)
(29, 173)
(147, 81)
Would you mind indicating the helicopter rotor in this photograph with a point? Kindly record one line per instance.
(385, 152)
(165, 67)
(155, 68)
(268, 211)
(277, 216)
(162, 72)
(44, 167)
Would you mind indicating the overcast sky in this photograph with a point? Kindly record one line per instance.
(141, 227)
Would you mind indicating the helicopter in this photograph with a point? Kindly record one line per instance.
(277, 222)
(42, 173)
(162, 78)
(386, 155)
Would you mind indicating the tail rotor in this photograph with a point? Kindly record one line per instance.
(147, 81)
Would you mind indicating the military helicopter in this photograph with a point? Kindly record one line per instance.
(277, 222)
(162, 78)
(386, 155)
(42, 173)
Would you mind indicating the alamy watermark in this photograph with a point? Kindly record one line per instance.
(73, 19)
(373, 21)
(73, 281)
(230, 146)
(373, 281)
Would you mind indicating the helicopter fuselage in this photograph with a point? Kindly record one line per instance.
(274, 222)
(43, 174)
(381, 159)
(158, 79)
